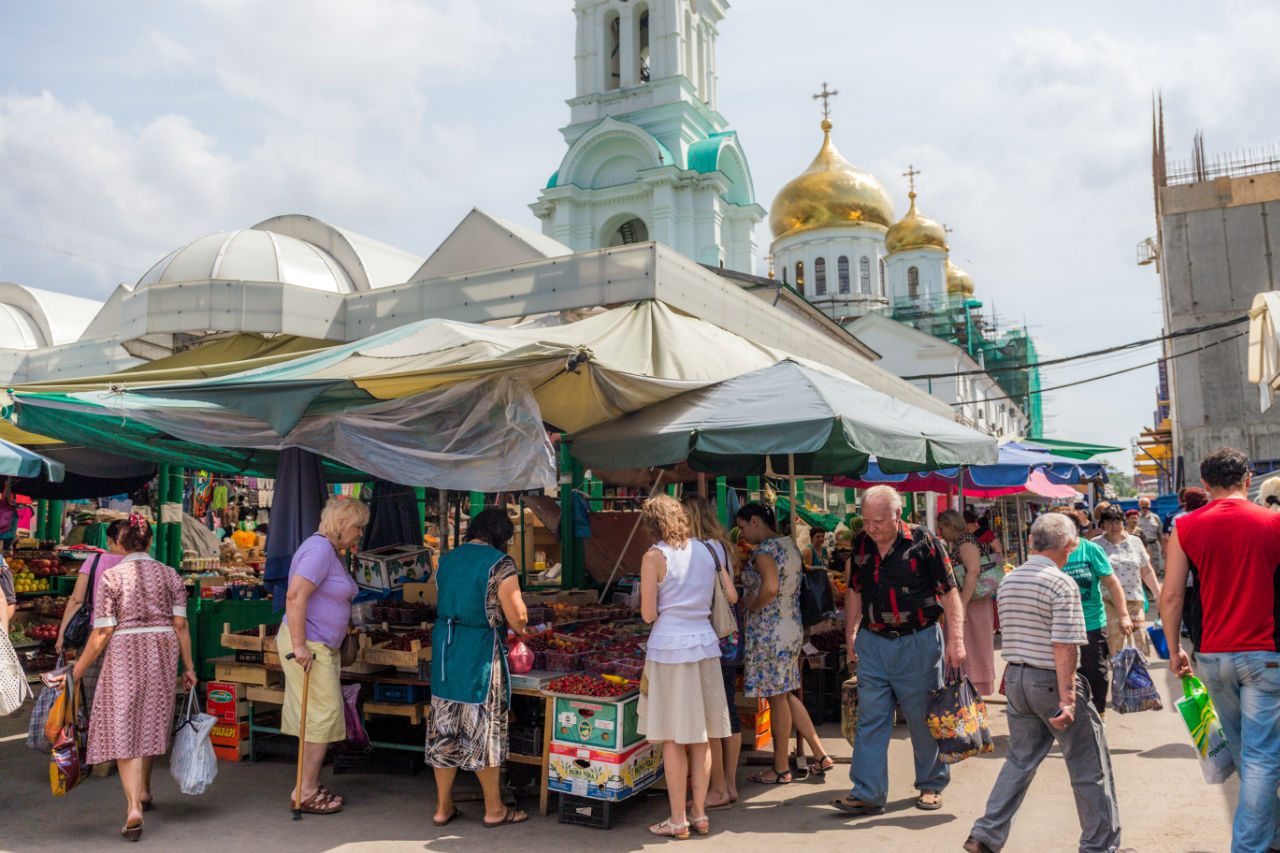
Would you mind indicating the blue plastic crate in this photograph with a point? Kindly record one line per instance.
(401, 693)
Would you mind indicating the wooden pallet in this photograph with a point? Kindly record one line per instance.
(415, 711)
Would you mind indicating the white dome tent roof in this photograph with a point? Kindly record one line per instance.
(251, 255)
(31, 318)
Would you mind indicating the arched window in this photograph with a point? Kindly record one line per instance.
(632, 231)
(882, 276)
(642, 54)
(913, 283)
(800, 276)
(842, 270)
(820, 277)
(613, 52)
(864, 274)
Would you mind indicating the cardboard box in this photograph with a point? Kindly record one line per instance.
(421, 593)
(232, 753)
(393, 566)
(601, 774)
(224, 734)
(597, 722)
(227, 702)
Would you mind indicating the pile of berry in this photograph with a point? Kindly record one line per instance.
(587, 685)
(404, 642)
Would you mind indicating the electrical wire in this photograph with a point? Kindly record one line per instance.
(1105, 375)
(68, 253)
(1117, 348)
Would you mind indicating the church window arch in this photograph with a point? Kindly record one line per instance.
(820, 277)
(864, 274)
(882, 276)
(842, 273)
(913, 283)
(800, 276)
(612, 51)
(624, 230)
(642, 46)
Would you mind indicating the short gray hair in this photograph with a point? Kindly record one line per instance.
(888, 493)
(1052, 531)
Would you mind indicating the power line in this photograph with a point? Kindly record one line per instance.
(1196, 330)
(68, 253)
(1105, 375)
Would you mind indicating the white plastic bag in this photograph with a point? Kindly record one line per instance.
(193, 762)
(13, 681)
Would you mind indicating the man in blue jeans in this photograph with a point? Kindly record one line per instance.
(1232, 548)
(900, 582)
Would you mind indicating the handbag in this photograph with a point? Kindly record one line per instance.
(723, 622)
(1131, 686)
(349, 650)
(990, 573)
(957, 719)
(14, 689)
(76, 634)
(193, 763)
(68, 766)
(36, 738)
(1196, 710)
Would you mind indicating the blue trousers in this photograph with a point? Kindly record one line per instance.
(894, 672)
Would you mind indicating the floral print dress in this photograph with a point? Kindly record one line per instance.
(774, 633)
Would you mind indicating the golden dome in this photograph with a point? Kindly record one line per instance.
(915, 231)
(959, 282)
(830, 192)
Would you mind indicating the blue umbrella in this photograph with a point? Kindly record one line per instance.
(1014, 465)
(17, 461)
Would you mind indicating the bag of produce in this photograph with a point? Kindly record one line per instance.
(36, 738)
(13, 681)
(193, 762)
(1201, 721)
(1131, 685)
(67, 764)
(957, 718)
(519, 657)
(61, 708)
(357, 738)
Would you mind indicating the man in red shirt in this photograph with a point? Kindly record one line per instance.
(1232, 548)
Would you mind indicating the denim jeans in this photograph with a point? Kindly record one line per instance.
(1033, 699)
(1245, 688)
(894, 672)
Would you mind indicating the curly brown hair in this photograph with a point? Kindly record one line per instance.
(666, 520)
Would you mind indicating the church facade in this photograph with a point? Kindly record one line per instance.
(649, 156)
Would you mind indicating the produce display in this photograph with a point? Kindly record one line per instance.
(271, 631)
(404, 613)
(48, 605)
(404, 642)
(24, 580)
(27, 634)
(588, 685)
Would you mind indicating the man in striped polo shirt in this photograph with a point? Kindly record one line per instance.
(1042, 629)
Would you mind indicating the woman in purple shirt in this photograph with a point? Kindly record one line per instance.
(317, 615)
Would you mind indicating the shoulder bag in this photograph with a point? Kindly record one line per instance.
(723, 621)
(80, 624)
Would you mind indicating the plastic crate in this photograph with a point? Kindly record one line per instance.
(400, 693)
(597, 663)
(246, 656)
(630, 668)
(560, 661)
(584, 811)
(526, 740)
(538, 615)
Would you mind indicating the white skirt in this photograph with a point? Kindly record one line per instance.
(683, 702)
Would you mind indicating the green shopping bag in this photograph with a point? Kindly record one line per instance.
(1201, 721)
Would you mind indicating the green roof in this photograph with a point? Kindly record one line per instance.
(1073, 449)
(704, 156)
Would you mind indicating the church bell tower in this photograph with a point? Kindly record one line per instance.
(649, 156)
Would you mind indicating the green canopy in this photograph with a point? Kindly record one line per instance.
(1073, 449)
(825, 520)
(778, 415)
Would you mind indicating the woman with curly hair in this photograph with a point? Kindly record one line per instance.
(682, 702)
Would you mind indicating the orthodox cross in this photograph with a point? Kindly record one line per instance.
(910, 175)
(826, 97)
(769, 258)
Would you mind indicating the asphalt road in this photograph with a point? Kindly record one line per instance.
(1165, 806)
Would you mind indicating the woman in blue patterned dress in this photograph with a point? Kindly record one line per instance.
(771, 583)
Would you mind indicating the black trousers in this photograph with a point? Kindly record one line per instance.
(1095, 658)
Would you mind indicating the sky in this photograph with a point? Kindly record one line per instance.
(128, 129)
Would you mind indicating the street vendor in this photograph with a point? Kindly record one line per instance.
(479, 599)
(816, 553)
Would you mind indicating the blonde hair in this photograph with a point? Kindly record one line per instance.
(339, 512)
(952, 520)
(704, 525)
(666, 520)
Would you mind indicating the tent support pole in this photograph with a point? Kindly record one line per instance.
(791, 479)
(722, 502)
(442, 518)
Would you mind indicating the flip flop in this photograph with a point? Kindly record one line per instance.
(131, 833)
(777, 779)
(509, 817)
(929, 806)
(446, 821)
(848, 805)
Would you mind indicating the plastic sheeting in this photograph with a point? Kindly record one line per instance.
(1264, 345)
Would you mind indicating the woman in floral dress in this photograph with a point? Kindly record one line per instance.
(140, 620)
(771, 586)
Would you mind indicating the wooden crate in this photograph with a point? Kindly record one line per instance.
(268, 695)
(232, 640)
(226, 669)
(270, 658)
(416, 711)
(380, 656)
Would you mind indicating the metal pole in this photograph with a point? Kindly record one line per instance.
(791, 480)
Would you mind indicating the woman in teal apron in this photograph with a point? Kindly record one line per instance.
(479, 598)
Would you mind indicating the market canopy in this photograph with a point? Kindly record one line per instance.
(17, 461)
(1264, 345)
(1014, 465)
(1071, 449)
(786, 412)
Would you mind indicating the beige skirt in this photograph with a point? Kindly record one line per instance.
(326, 722)
(683, 702)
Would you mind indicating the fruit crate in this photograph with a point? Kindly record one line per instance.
(597, 663)
(254, 642)
(584, 811)
(629, 668)
(526, 740)
(380, 655)
(401, 693)
(560, 661)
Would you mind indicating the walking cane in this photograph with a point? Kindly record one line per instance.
(302, 739)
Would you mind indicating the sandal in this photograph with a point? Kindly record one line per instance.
(667, 829)
(512, 816)
(705, 825)
(778, 778)
(338, 798)
(933, 803)
(321, 802)
(849, 805)
(821, 768)
(130, 832)
(446, 821)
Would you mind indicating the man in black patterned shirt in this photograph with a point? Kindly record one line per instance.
(900, 582)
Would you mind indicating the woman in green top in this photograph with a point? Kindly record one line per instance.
(816, 554)
(1090, 568)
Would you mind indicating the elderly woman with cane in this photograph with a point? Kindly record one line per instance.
(317, 616)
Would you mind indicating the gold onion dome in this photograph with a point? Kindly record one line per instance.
(915, 231)
(959, 282)
(831, 192)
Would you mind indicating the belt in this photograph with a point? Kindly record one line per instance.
(155, 630)
(1031, 666)
(906, 632)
